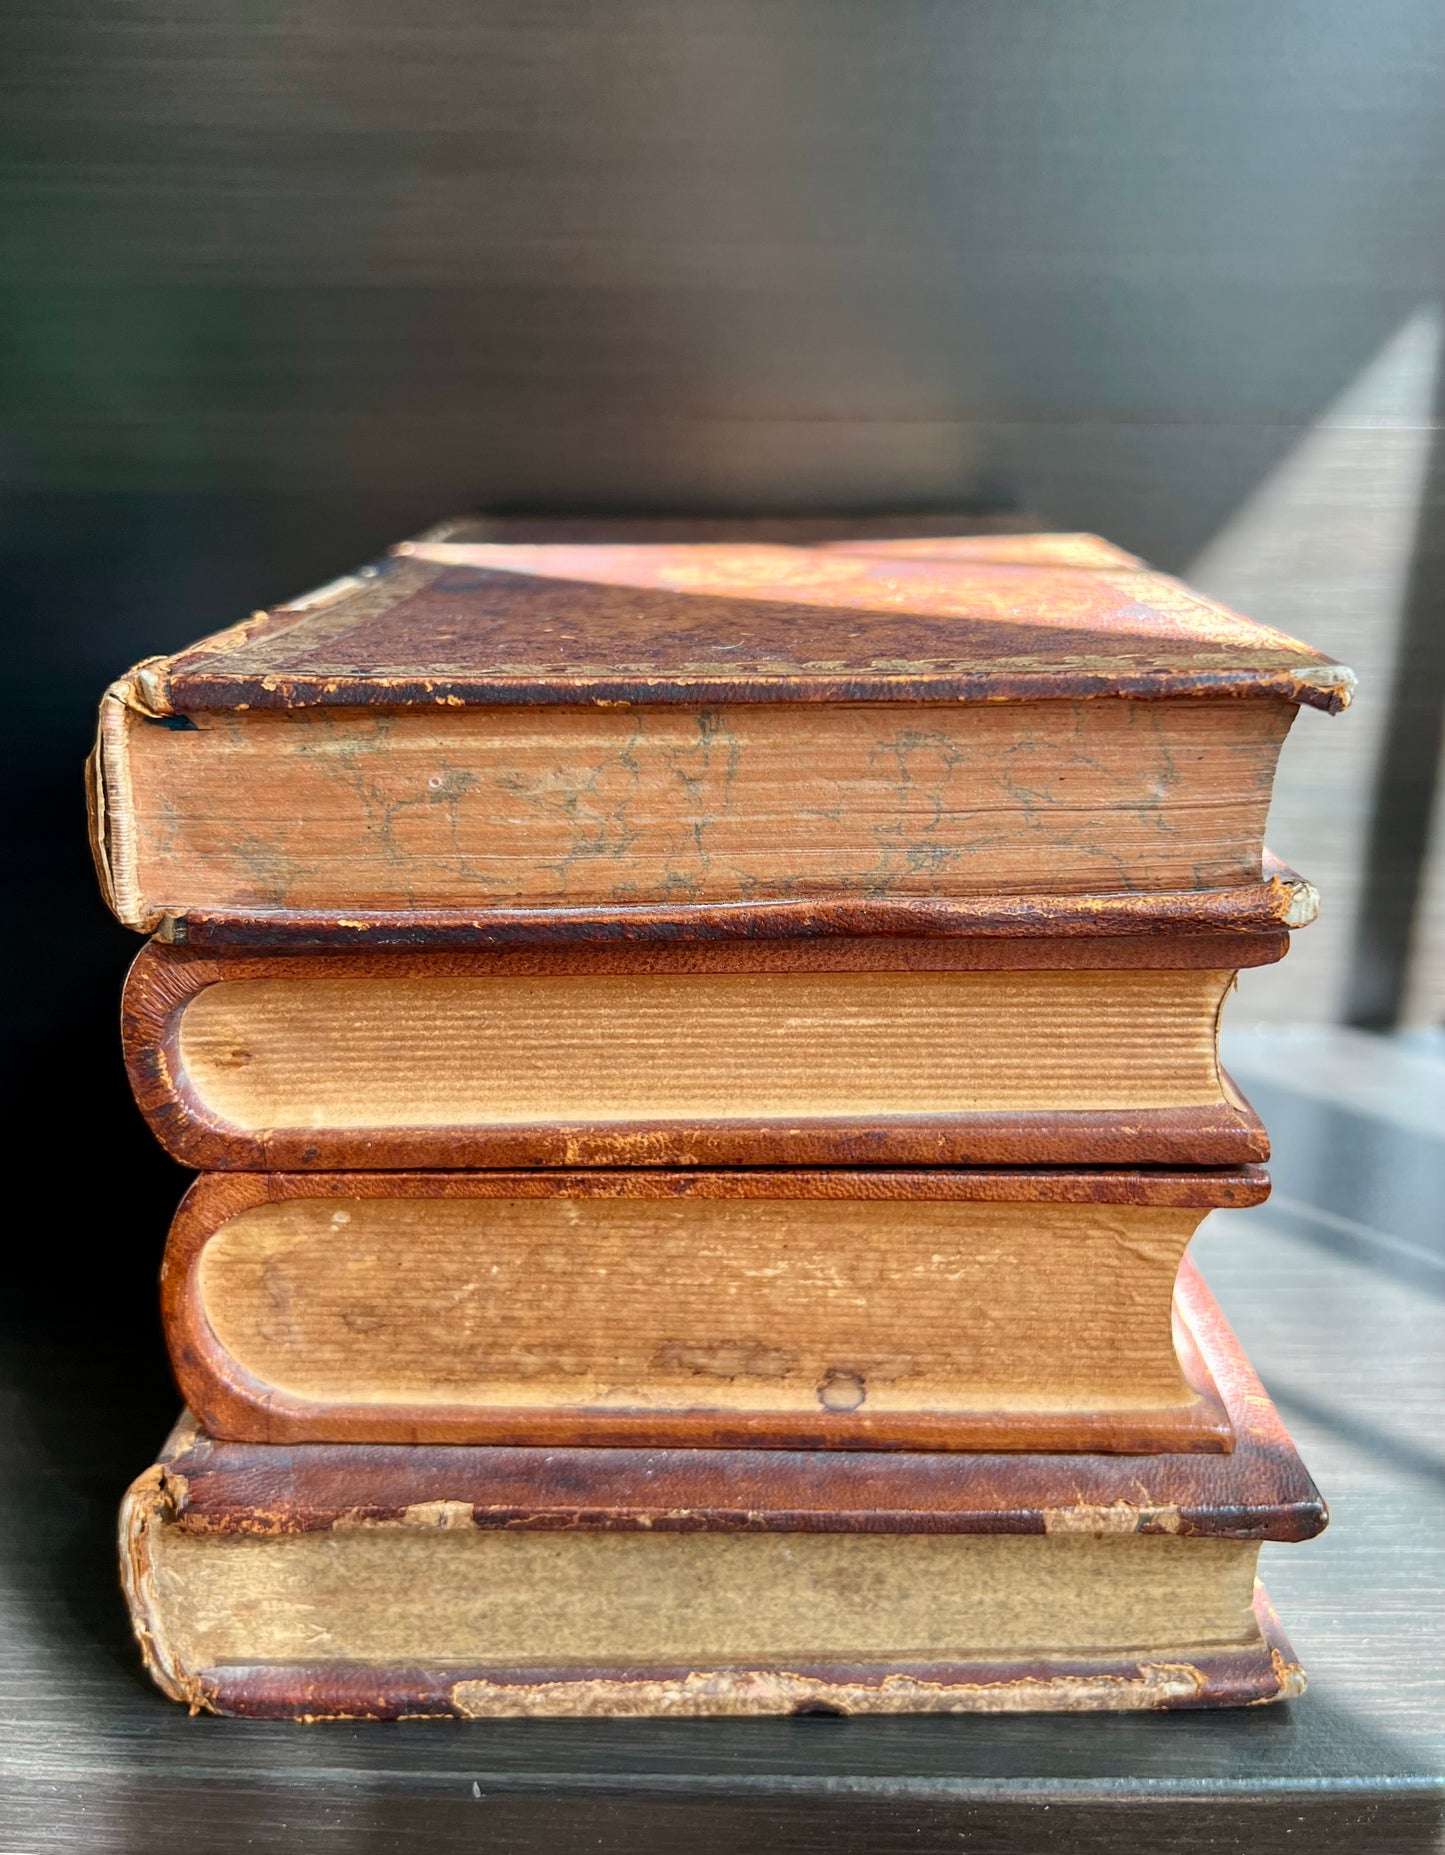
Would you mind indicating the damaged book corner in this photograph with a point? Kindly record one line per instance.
(702, 1061)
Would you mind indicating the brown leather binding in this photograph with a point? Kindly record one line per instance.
(1260, 1490)
(1261, 911)
(1248, 1676)
(165, 977)
(743, 623)
(202, 1488)
(231, 1403)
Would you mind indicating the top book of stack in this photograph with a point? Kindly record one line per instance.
(1008, 733)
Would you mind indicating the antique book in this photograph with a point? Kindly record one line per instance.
(1017, 1049)
(470, 731)
(372, 1581)
(789, 1309)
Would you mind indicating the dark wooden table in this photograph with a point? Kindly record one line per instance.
(1337, 1288)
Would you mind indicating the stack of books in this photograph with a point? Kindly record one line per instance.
(702, 1061)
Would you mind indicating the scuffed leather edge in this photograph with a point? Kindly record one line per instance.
(1279, 900)
(1259, 1491)
(1250, 1674)
(110, 801)
(1330, 686)
(150, 1502)
(1324, 686)
(1296, 901)
(145, 690)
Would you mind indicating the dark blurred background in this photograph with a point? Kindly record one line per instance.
(285, 282)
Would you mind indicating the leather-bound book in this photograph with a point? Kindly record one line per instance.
(1023, 1048)
(789, 1309)
(466, 735)
(363, 1581)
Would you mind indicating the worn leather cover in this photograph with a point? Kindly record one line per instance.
(1259, 1492)
(165, 977)
(453, 623)
(1279, 901)
(480, 623)
(1251, 1675)
(231, 1403)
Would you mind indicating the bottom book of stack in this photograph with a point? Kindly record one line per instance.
(360, 1580)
